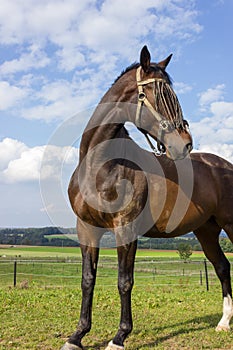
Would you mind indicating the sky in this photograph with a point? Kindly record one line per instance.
(57, 60)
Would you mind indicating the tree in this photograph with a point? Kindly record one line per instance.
(184, 251)
(226, 245)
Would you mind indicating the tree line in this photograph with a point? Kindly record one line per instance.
(37, 236)
(55, 236)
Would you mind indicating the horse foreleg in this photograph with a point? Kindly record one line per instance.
(89, 268)
(208, 236)
(126, 257)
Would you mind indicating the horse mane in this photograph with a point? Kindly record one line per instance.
(154, 67)
(132, 66)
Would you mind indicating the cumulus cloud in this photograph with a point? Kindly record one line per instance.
(93, 24)
(223, 110)
(34, 57)
(214, 133)
(218, 126)
(221, 149)
(81, 39)
(61, 99)
(24, 168)
(20, 163)
(182, 88)
(10, 149)
(10, 95)
(211, 95)
(37, 20)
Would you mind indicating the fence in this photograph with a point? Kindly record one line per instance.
(68, 273)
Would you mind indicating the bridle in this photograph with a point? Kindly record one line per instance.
(164, 125)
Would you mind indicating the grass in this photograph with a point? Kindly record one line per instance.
(68, 252)
(41, 318)
(61, 271)
(40, 252)
(170, 311)
(62, 236)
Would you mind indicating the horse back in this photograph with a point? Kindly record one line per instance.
(215, 175)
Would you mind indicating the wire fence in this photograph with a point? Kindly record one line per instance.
(64, 273)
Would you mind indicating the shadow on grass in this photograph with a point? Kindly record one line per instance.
(209, 321)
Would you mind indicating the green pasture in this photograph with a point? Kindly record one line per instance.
(165, 318)
(63, 237)
(52, 273)
(64, 252)
(39, 252)
(171, 308)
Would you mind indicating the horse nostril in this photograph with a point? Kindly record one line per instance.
(189, 147)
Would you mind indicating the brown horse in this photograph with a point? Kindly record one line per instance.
(122, 188)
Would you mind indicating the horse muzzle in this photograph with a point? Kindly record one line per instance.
(175, 154)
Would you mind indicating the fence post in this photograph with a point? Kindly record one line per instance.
(200, 277)
(206, 275)
(15, 272)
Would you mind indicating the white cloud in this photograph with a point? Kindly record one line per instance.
(211, 95)
(53, 19)
(121, 32)
(221, 149)
(26, 20)
(20, 163)
(35, 58)
(180, 21)
(214, 133)
(69, 59)
(10, 149)
(90, 26)
(24, 168)
(62, 99)
(87, 36)
(223, 110)
(10, 95)
(219, 122)
(182, 88)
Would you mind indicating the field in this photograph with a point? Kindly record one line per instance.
(45, 252)
(171, 309)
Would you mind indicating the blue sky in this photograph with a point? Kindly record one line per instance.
(57, 60)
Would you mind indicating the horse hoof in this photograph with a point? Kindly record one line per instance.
(112, 346)
(220, 328)
(68, 346)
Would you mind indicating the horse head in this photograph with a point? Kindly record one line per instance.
(159, 113)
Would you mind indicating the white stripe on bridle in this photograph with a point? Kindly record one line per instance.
(142, 99)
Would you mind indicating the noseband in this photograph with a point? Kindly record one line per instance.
(164, 125)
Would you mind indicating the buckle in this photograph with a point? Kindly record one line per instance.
(164, 124)
(141, 96)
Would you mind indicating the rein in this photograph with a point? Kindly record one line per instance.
(164, 125)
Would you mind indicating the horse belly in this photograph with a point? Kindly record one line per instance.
(176, 212)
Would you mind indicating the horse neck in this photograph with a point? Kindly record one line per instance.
(101, 129)
(108, 119)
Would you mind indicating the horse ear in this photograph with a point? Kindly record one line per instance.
(145, 59)
(163, 64)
